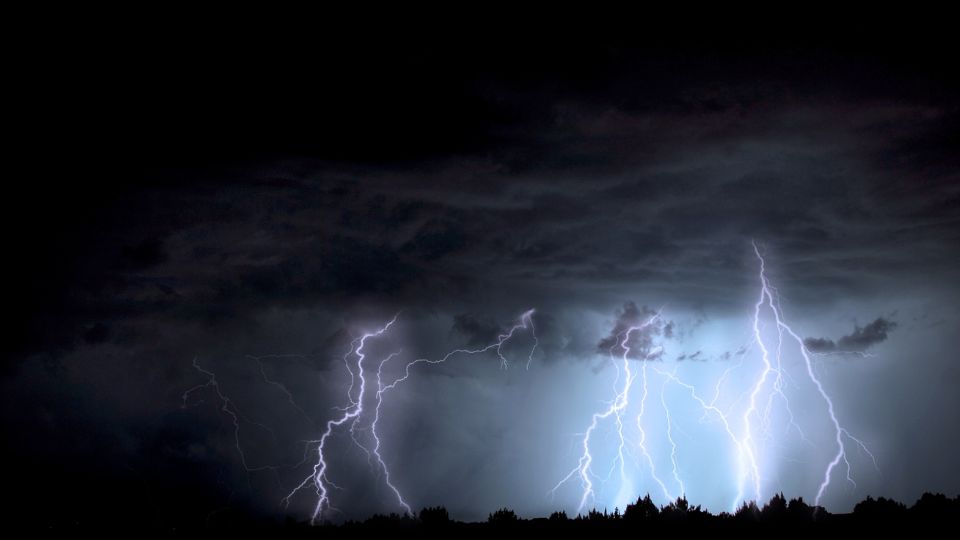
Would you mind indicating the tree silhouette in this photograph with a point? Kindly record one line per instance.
(436, 515)
(748, 512)
(936, 508)
(775, 511)
(881, 510)
(503, 516)
(643, 510)
(644, 516)
(799, 511)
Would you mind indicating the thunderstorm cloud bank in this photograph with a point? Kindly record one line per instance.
(606, 186)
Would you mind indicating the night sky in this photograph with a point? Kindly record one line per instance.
(254, 207)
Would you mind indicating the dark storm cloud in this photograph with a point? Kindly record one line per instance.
(435, 239)
(683, 170)
(145, 254)
(861, 339)
(96, 333)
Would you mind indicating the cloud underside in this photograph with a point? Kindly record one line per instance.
(858, 341)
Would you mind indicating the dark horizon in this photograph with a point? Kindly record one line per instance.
(929, 510)
(701, 264)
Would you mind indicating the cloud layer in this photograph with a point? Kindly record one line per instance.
(279, 205)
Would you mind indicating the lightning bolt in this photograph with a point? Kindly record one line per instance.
(615, 409)
(643, 435)
(745, 429)
(355, 360)
(768, 298)
(280, 386)
(525, 323)
(376, 437)
(357, 393)
(318, 477)
(709, 409)
(228, 407)
(748, 420)
(673, 444)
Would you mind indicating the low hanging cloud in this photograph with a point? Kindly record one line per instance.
(858, 341)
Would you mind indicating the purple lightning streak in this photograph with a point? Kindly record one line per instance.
(767, 297)
(376, 437)
(353, 377)
(643, 434)
(533, 334)
(781, 375)
(747, 447)
(318, 477)
(619, 409)
(708, 408)
(615, 409)
(673, 444)
(228, 407)
(525, 323)
(525, 320)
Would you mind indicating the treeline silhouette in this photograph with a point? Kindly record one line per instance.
(931, 511)
(795, 515)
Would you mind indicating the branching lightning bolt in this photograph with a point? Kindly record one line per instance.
(615, 409)
(643, 435)
(748, 420)
(318, 477)
(767, 297)
(745, 429)
(354, 411)
(376, 437)
(525, 323)
(673, 444)
(228, 407)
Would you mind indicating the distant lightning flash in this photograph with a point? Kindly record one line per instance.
(228, 407)
(280, 386)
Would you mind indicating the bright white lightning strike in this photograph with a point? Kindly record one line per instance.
(744, 430)
(839, 431)
(318, 477)
(616, 408)
(748, 420)
(355, 410)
